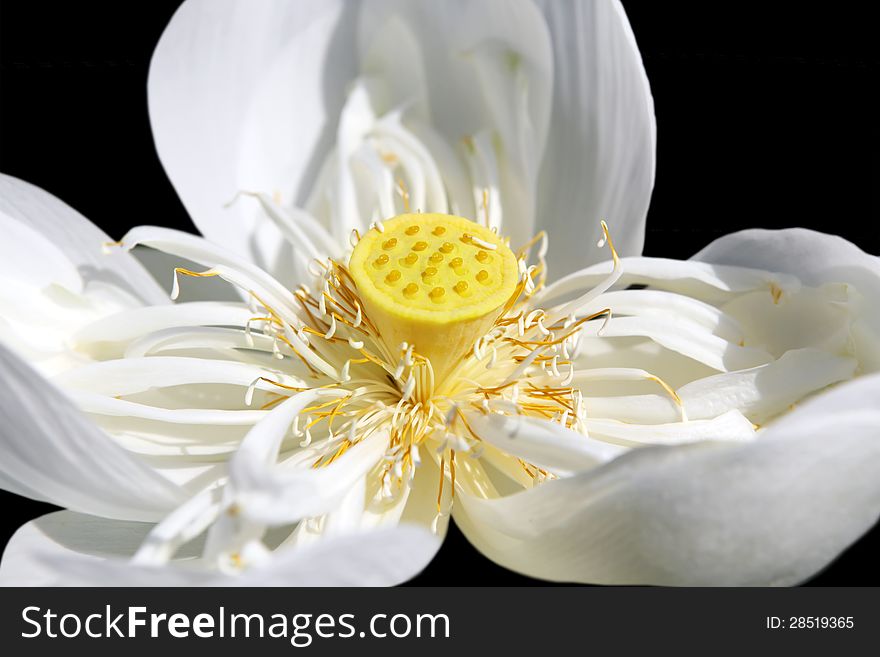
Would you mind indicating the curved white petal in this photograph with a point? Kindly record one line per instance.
(488, 71)
(65, 534)
(259, 449)
(161, 265)
(250, 99)
(731, 425)
(49, 450)
(205, 252)
(256, 283)
(815, 258)
(68, 549)
(244, 97)
(383, 557)
(765, 391)
(55, 277)
(657, 303)
(773, 511)
(227, 342)
(103, 405)
(71, 251)
(290, 495)
(684, 337)
(107, 337)
(706, 281)
(364, 507)
(638, 353)
(29, 258)
(543, 443)
(820, 317)
(277, 495)
(130, 375)
(760, 393)
(600, 156)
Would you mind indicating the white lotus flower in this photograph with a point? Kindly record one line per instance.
(387, 373)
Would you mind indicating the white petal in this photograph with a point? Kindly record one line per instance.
(260, 447)
(233, 343)
(50, 451)
(765, 391)
(162, 265)
(543, 443)
(54, 277)
(815, 258)
(39, 324)
(130, 375)
(219, 258)
(277, 495)
(102, 405)
(240, 96)
(639, 353)
(685, 337)
(488, 66)
(65, 534)
(811, 317)
(69, 242)
(248, 277)
(414, 503)
(30, 258)
(384, 557)
(760, 392)
(65, 549)
(731, 425)
(107, 337)
(707, 282)
(771, 511)
(656, 303)
(290, 495)
(600, 155)
(302, 230)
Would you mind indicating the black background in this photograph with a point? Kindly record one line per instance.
(766, 117)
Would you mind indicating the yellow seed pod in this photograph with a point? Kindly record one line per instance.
(441, 310)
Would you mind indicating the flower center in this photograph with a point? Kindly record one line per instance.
(434, 281)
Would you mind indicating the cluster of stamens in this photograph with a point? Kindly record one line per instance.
(521, 365)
